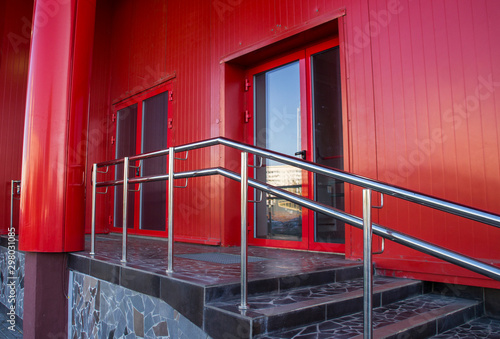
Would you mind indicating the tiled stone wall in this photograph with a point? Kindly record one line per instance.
(15, 276)
(100, 309)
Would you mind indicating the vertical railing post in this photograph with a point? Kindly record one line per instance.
(171, 159)
(125, 208)
(94, 183)
(367, 265)
(12, 183)
(244, 243)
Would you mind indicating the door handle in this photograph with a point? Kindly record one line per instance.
(302, 153)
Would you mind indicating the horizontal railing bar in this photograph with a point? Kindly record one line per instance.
(110, 163)
(150, 178)
(153, 178)
(402, 193)
(110, 183)
(148, 155)
(411, 242)
(422, 199)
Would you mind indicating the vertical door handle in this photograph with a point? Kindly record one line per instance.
(302, 153)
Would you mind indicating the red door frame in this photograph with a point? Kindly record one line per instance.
(308, 229)
(139, 99)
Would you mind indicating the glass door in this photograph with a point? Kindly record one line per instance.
(327, 141)
(278, 127)
(297, 110)
(142, 127)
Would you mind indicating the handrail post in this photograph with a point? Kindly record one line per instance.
(12, 182)
(244, 244)
(367, 266)
(171, 159)
(125, 208)
(92, 235)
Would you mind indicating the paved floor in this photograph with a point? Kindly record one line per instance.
(151, 255)
(4, 328)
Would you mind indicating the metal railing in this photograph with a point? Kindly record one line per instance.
(15, 189)
(363, 223)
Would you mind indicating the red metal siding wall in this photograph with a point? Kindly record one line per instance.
(14, 57)
(188, 56)
(435, 74)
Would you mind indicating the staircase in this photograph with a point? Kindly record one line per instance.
(329, 305)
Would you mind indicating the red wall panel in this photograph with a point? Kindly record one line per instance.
(99, 127)
(15, 41)
(436, 124)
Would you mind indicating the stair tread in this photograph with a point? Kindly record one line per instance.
(280, 302)
(387, 319)
(483, 327)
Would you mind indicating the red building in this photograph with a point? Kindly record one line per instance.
(404, 92)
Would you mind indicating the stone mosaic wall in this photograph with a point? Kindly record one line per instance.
(12, 279)
(100, 309)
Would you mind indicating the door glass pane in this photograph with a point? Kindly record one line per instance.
(126, 136)
(328, 141)
(154, 138)
(277, 103)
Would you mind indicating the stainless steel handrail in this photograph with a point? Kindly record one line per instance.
(395, 236)
(365, 223)
(402, 193)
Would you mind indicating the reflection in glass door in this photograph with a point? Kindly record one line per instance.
(278, 128)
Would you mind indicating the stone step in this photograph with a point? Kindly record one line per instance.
(283, 283)
(422, 316)
(288, 309)
(483, 327)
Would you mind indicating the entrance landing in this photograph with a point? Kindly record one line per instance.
(190, 264)
(205, 274)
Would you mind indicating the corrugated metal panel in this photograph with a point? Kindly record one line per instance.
(99, 130)
(13, 81)
(434, 71)
(188, 56)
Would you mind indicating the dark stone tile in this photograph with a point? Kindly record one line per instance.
(400, 293)
(140, 281)
(225, 325)
(455, 319)
(80, 264)
(307, 279)
(105, 271)
(345, 307)
(186, 298)
(492, 302)
(427, 287)
(421, 331)
(479, 328)
(461, 291)
(349, 273)
(296, 318)
(224, 292)
(262, 286)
